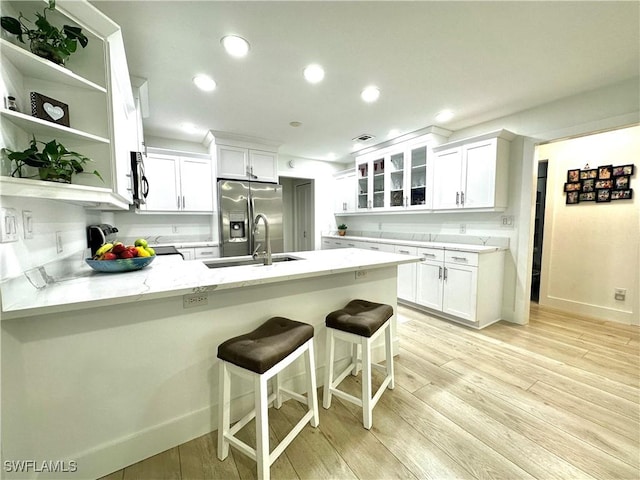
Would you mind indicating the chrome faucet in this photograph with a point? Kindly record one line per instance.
(265, 254)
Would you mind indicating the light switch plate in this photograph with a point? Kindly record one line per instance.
(8, 225)
(27, 223)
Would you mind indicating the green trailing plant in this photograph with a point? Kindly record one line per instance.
(54, 162)
(342, 226)
(46, 40)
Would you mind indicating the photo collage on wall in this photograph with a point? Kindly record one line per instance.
(602, 184)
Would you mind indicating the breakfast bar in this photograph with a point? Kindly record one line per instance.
(108, 369)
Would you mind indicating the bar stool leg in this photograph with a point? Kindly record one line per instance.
(367, 417)
(224, 401)
(354, 359)
(277, 403)
(389, 350)
(262, 427)
(328, 370)
(312, 392)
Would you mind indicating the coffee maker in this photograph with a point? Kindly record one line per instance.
(98, 235)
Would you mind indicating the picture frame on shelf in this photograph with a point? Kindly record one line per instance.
(573, 198)
(623, 170)
(49, 109)
(603, 195)
(573, 175)
(622, 194)
(588, 197)
(572, 186)
(621, 182)
(605, 172)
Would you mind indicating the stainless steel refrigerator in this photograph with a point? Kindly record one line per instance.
(239, 203)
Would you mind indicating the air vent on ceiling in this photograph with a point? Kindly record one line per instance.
(363, 138)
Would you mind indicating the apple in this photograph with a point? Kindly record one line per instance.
(118, 248)
(109, 256)
(127, 254)
(141, 242)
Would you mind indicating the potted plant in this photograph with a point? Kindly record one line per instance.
(46, 41)
(342, 229)
(54, 163)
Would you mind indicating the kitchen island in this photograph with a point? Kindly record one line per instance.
(108, 369)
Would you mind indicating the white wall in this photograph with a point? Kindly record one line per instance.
(591, 248)
(322, 173)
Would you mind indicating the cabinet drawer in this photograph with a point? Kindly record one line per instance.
(404, 250)
(201, 253)
(431, 254)
(462, 258)
(379, 247)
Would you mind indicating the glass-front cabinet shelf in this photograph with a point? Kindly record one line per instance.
(395, 178)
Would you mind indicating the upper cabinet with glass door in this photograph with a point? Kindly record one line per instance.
(371, 185)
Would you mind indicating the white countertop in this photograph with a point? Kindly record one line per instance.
(169, 275)
(459, 247)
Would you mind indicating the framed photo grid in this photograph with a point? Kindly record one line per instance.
(601, 185)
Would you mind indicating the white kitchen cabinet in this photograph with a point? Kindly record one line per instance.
(206, 253)
(406, 274)
(344, 191)
(370, 182)
(178, 184)
(461, 285)
(240, 163)
(472, 174)
(95, 79)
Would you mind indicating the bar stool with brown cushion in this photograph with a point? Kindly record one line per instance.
(260, 355)
(360, 322)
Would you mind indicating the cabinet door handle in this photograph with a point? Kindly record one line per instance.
(351, 244)
(374, 248)
(406, 201)
(184, 204)
(206, 253)
(404, 251)
(462, 198)
(445, 274)
(460, 259)
(178, 202)
(457, 198)
(439, 273)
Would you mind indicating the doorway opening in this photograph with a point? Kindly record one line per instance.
(298, 213)
(538, 231)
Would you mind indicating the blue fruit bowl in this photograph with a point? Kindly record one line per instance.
(119, 265)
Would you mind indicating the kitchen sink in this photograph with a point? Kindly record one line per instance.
(241, 261)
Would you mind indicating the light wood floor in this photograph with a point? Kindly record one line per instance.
(558, 398)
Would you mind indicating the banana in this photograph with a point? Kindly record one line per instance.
(104, 249)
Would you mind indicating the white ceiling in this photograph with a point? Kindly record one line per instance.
(483, 60)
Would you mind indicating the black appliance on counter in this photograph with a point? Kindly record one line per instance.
(140, 182)
(167, 250)
(98, 235)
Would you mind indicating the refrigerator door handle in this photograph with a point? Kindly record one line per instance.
(250, 229)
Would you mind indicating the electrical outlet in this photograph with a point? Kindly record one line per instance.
(463, 228)
(59, 248)
(620, 294)
(360, 274)
(194, 300)
(27, 224)
(506, 221)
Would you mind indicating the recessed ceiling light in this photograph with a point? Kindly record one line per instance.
(444, 116)
(204, 82)
(370, 94)
(314, 73)
(235, 46)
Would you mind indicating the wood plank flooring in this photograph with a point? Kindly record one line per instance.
(556, 399)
